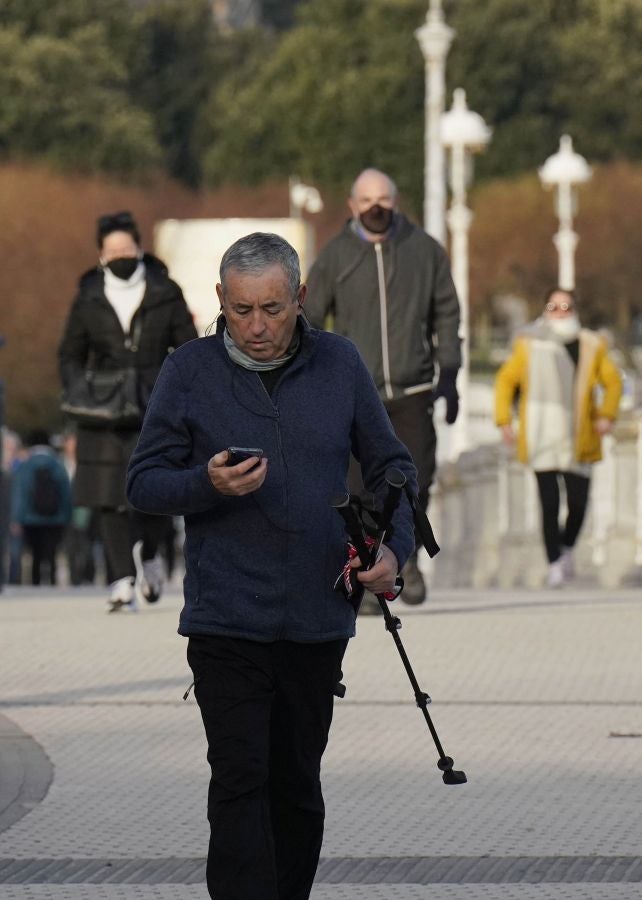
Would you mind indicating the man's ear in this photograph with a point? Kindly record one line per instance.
(219, 291)
(300, 297)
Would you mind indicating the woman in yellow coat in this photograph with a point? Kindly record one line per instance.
(569, 392)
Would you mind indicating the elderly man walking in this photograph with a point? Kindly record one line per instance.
(266, 630)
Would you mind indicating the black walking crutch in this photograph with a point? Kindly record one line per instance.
(367, 546)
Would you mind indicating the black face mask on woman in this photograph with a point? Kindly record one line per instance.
(124, 267)
(377, 219)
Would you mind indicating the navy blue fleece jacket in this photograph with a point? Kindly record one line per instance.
(262, 566)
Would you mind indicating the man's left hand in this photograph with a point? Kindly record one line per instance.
(447, 388)
(238, 480)
(381, 577)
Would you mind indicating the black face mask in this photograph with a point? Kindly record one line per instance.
(377, 219)
(123, 268)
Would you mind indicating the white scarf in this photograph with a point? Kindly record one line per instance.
(550, 431)
(125, 295)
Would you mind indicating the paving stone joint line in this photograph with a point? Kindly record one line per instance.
(422, 870)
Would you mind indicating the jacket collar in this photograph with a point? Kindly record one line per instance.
(309, 336)
(92, 283)
(400, 229)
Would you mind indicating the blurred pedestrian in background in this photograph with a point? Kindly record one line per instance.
(388, 287)
(127, 316)
(13, 455)
(569, 392)
(80, 534)
(41, 505)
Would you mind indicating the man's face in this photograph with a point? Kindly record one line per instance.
(260, 311)
(373, 202)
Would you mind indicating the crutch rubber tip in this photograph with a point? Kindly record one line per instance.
(450, 776)
(453, 776)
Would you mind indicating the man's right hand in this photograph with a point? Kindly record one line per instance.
(508, 435)
(235, 481)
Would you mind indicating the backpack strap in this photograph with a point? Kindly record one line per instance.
(422, 524)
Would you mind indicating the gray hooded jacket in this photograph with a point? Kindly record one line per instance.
(392, 299)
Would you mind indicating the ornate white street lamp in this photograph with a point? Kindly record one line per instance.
(303, 197)
(463, 133)
(435, 38)
(563, 171)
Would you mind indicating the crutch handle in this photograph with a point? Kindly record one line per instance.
(348, 513)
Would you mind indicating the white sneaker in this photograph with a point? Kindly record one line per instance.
(555, 577)
(568, 563)
(150, 575)
(122, 596)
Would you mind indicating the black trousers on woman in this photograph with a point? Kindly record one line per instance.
(120, 529)
(267, 710)
(577, 491)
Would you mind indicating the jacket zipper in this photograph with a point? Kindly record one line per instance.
(383, 315)
(285, 480)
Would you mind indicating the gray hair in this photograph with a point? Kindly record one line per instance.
(256, 252)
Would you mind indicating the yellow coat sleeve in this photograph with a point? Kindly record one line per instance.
(610, 379)
(510, 377)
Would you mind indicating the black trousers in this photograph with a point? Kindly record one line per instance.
(412, 420)
(78, 546)
(120, 529)
(577, 492)
(267, 710)
(43, 542)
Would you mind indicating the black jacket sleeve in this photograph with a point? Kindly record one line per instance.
(73, 352)
(319, 300)
(445, 320)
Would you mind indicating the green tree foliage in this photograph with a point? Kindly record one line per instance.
(106, 87)
(536, 70)
(65, 101)
(341, 90)
(504, 55)
(59, 18)
(345, 88)
(130, 84)
(279, 13)
(172, 74)
(600, 82)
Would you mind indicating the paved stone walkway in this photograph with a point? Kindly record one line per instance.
(537, 695)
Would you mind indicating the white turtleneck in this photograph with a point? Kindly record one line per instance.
(125, 295)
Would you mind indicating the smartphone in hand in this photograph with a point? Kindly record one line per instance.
(235, 455)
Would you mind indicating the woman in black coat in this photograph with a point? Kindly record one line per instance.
(128, 297)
